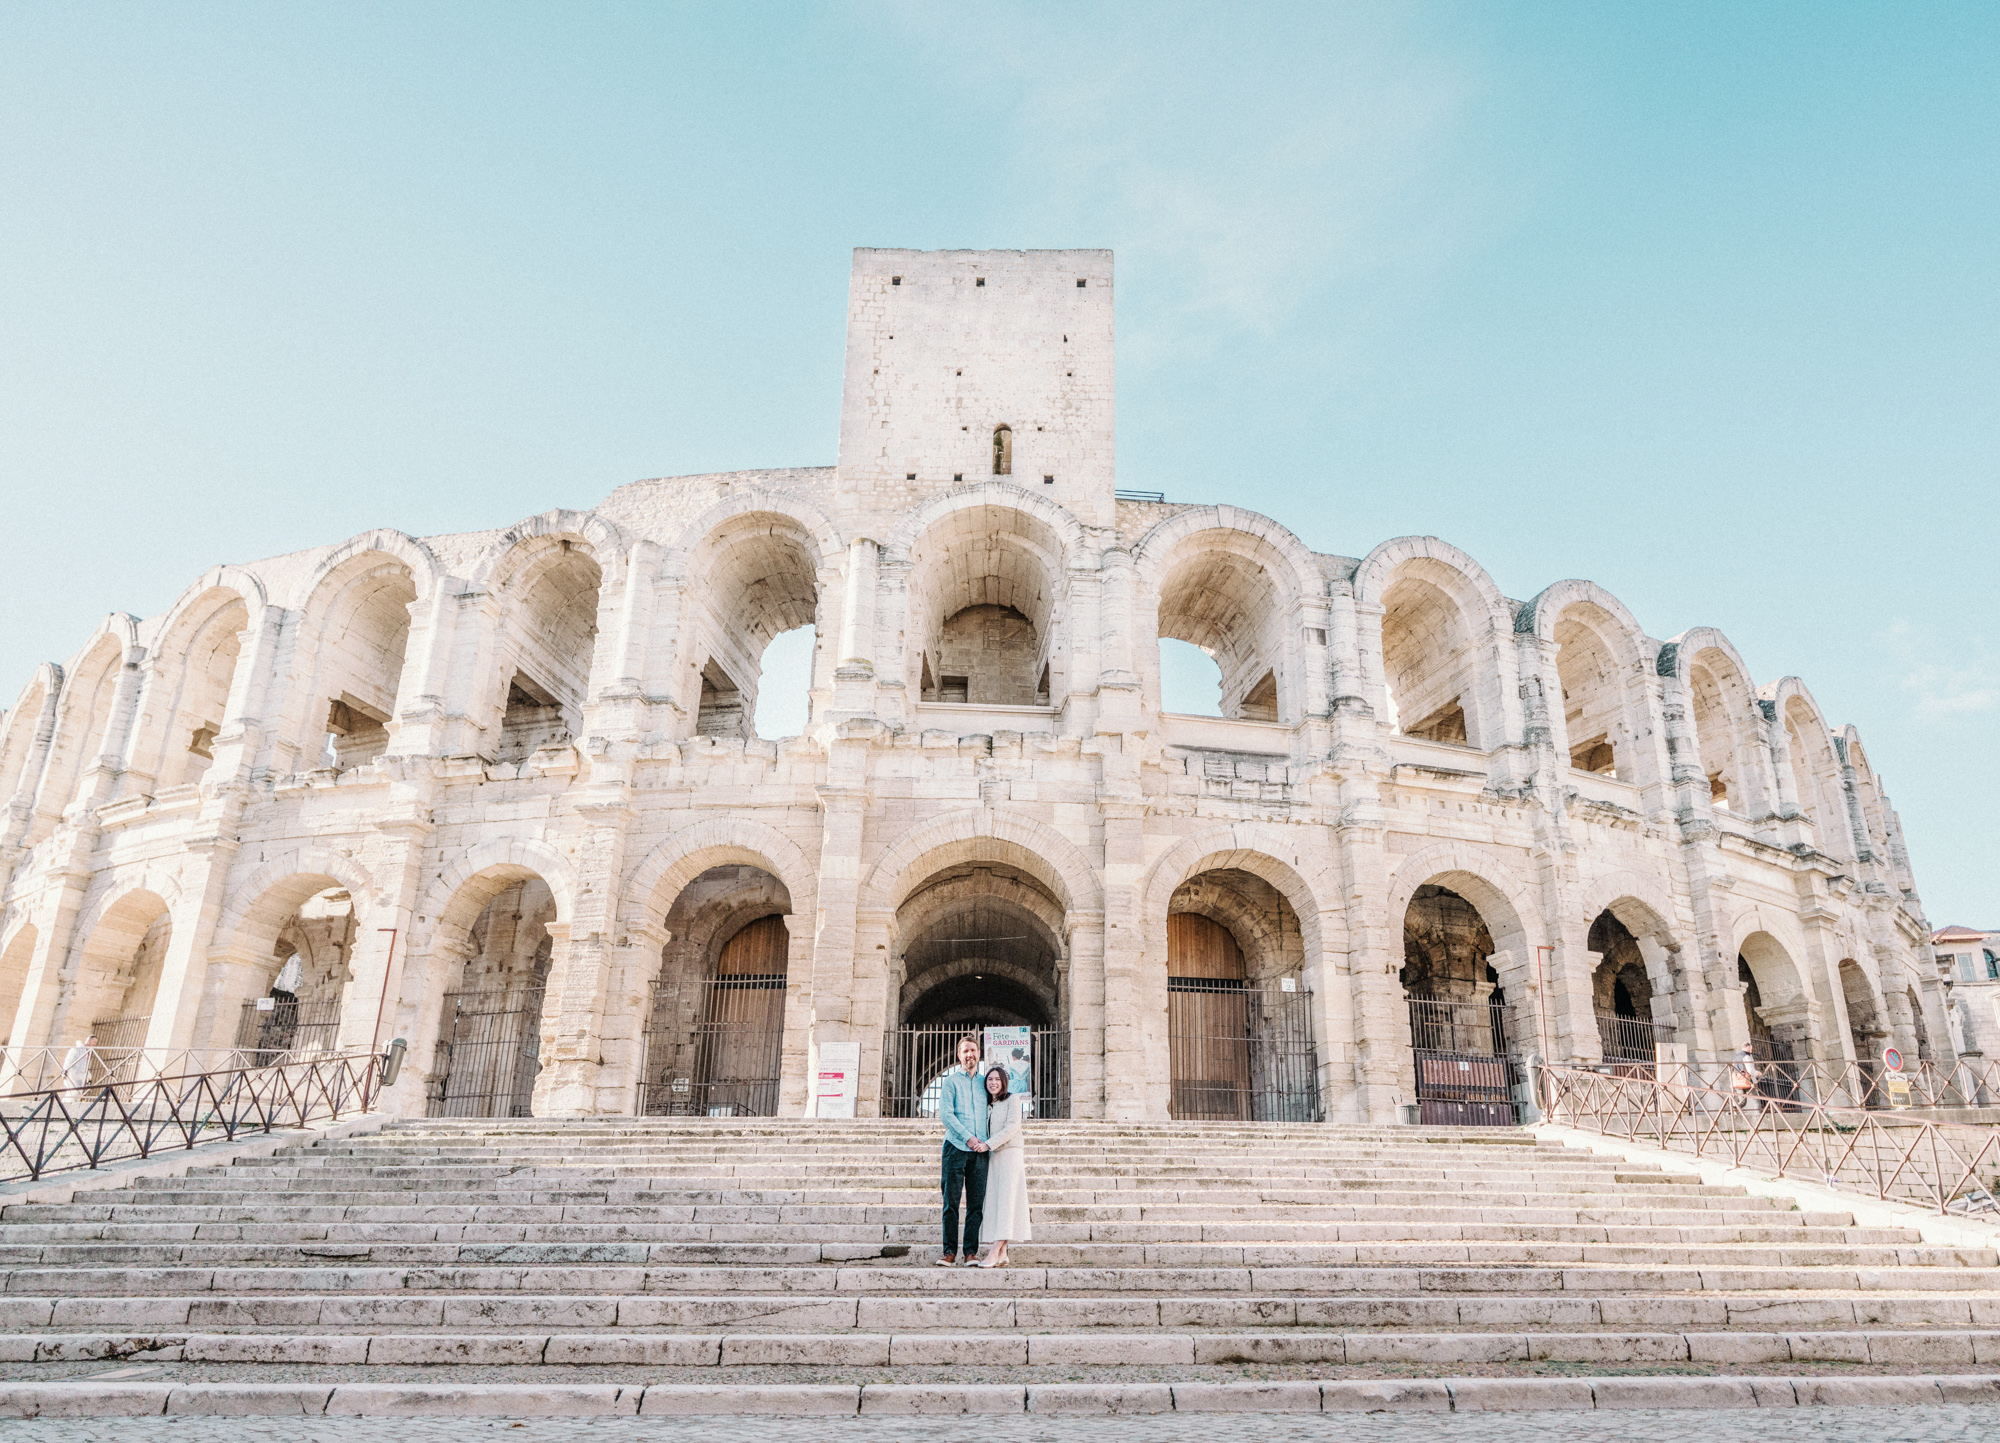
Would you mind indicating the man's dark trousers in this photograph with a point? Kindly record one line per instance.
(964, 1171)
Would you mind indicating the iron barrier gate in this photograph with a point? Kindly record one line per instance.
(918, 1058)
(273, 1027)
(729, 1063)
(1466, 1073)
(489, 1051)
(1240, 1053)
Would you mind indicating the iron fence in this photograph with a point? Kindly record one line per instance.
(1466, 1072)
(489, 1052)
(1241, 1053)
(918, 1058)
(1948, 1167)
(729, 1064)
(270, 1029)
(62, 1129)
(35, 1069)
(1632, 1041)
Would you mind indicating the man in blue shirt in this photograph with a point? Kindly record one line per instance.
(962, 1110)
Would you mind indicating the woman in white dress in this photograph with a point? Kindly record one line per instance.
(1007, 1172)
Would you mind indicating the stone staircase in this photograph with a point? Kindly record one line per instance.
(671, 1254)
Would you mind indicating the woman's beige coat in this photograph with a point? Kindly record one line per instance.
(1007, 1173)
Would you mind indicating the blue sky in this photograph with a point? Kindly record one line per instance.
(1698, 301)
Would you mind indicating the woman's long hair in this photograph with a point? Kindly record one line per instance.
(1000, 1096)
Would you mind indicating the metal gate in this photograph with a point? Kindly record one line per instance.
(1466, 1073)
(272, 1028)
(730, 1064)
(918, 1058)
(489, 1050)
(1240, 1053)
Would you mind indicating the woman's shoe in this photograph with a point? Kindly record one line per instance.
(987, 1262)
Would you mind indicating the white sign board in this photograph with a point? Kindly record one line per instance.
(836, 1079)
(1012, 1048)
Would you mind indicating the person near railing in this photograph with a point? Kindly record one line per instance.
(1744, 1075)
(1007, 1171)
(78, 1060)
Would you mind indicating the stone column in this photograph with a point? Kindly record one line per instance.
(1133, 995)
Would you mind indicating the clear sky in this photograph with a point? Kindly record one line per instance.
(1697, 300)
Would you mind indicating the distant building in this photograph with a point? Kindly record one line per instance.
(1970, 962)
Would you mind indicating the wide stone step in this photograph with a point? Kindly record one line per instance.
(1765, 1312)
(1940, 1348)
(597, 1281)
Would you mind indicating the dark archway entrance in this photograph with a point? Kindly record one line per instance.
(1460, 1024)
(980, 952)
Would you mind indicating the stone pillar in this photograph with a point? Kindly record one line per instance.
(581, 969)
(844, 817)
(1131, 997)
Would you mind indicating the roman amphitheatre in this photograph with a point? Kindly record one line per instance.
(500, 794)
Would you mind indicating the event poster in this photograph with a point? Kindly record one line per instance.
(1013, 1049)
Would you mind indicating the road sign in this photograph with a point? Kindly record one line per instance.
(1892, 1059)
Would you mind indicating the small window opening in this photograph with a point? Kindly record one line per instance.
(202, 743)
(959, 372)
(1718, 792)
(895, 280)
(784, 684)
(1446, 724)
(980, 282)
(721, 713)
(1003, 451)
(909, 476)
(1048, 480)
(1595, 755)
(1081, 284)
(356, 731)
(958, 475)
(1316, 636)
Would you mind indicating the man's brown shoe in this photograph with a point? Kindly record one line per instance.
(949, 1260)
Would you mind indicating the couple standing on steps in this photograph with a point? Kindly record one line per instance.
(983, 1155)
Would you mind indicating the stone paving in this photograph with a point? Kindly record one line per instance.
(1821, 1425)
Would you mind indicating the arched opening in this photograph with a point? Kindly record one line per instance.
(1430, 655)
(714, 1042)
(1460, 1024)
(1721, 705)
(752, 627)
(356, 632)
(1239, 1017)
(1816, 778)
(15, 959)
(198, 664)
(83, 725)
(490, 1028)
(18, 730)
(1218, 594)
(1190, 681)
(1622, 996)
(1924, 1053)
(1866, 1032)
(979, 948)
(1593, 692)
(984, 601)
(292, 1006)
(1776, 1012)
(545, 648)
(116, 982)
(1003, 450)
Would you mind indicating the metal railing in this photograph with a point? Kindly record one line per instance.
(36, 1069)
(62, 1129)
(1240, 1053)
(917, 1059)
(1694, 1108)
(1632, 1040)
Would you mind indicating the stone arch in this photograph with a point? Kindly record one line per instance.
(715, 842)
(1487, 881)
(1813, 765)
(986, 617)
(1432, 625)
(456, 898)
(348, 643)
(513, 548)
(259, 904)
(1073, 544)
(764, 571)
(119, 963)
(86, 729)
(1234, 584)
(1868, 795)
(245, 958)
(1776, 1002)
(983, 835)
(1867, 1011)
(25, 734)
(1602, 662)
(191, 676)
(1722, 717)
(1259, 849)
(479, 1056)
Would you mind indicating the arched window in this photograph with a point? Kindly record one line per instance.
(1003, 451)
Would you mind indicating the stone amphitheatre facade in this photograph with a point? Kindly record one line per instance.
(500, 793)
